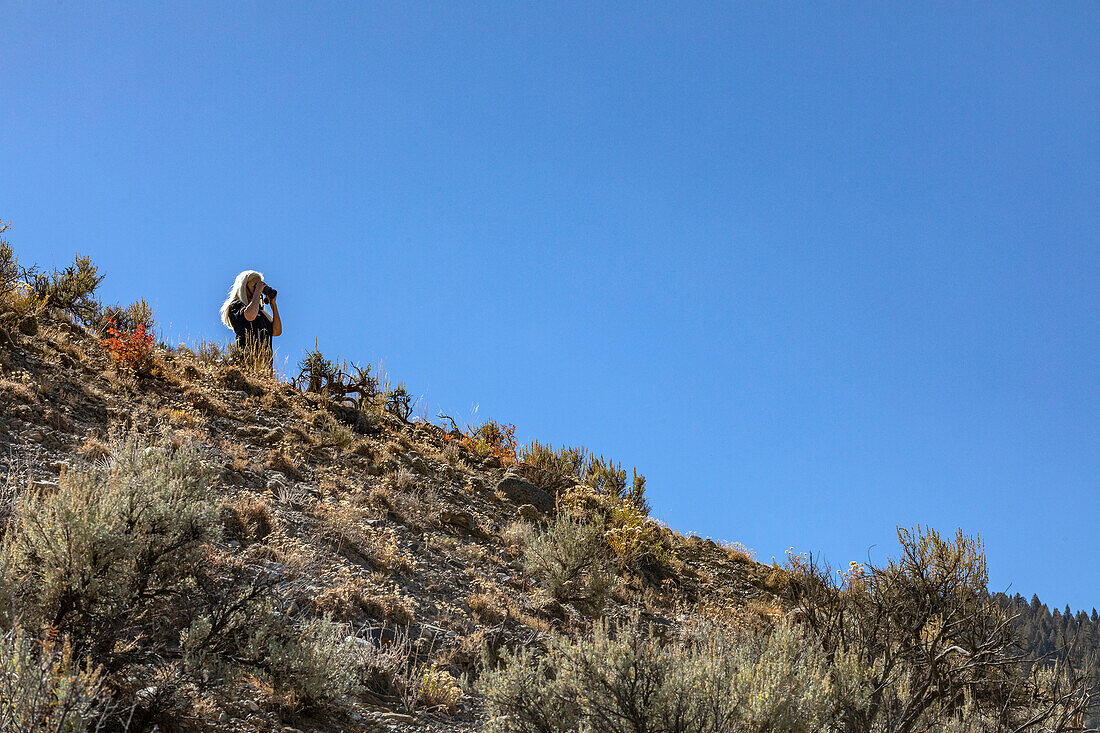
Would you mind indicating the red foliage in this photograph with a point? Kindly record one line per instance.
(131, 349)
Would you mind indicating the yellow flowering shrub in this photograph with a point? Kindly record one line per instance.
(439, 689)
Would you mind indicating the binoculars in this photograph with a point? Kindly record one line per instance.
(269, 293)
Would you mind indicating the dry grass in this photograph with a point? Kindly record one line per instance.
(94, 450)
(18, 390)
(277, 460)
(387, 607)
(246, 519)
(737, 552)
(515, 536)
(452, 454)
(345, 600)
(405, 480)
(486, 607)
(203, 401)
(364, 449)
(344, 525)
(235, 452)
(185, 419)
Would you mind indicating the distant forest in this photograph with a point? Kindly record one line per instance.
(1055, 636)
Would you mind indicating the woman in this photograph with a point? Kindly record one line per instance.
(243, 313)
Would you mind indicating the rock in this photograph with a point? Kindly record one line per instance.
(274, 435)
(252, 706)
(309, 490)
(29, 326)
(523, 492)
(145, 694)
(397, 718)
(224, 717)
(419, 465)
(528, 513)
(5, 337)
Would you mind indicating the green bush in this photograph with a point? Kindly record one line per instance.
(314, 662)
(567, 461)
(72, 289)
(571, 561)
(605, 476)
(43, 690)
(106, 555)
(626, 679)
(125, 319)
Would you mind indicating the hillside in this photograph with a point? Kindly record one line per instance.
(383, 524)
(192, 544)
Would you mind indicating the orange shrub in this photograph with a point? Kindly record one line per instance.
(490, 439)
(131, 349)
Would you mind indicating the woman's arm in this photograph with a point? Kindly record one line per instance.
(277, 324)
(254, 306)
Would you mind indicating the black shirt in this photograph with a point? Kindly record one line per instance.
(260, 327)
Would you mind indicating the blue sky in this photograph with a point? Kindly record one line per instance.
(816, 272)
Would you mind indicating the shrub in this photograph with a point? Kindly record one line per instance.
(334, 381)
(71, 289)
(636, 493)
(338, 436)
(566, 461)
(634, 537)
(624, 678)
(125, 319)
(106, 554)
(605, 476)
(44, 690)
(439, 689)
(310, 663)
(398, 402)
(491, 438)
(132, 350)
(930, 642)
(571, 561)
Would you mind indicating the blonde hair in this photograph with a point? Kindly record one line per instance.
(239, 294)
